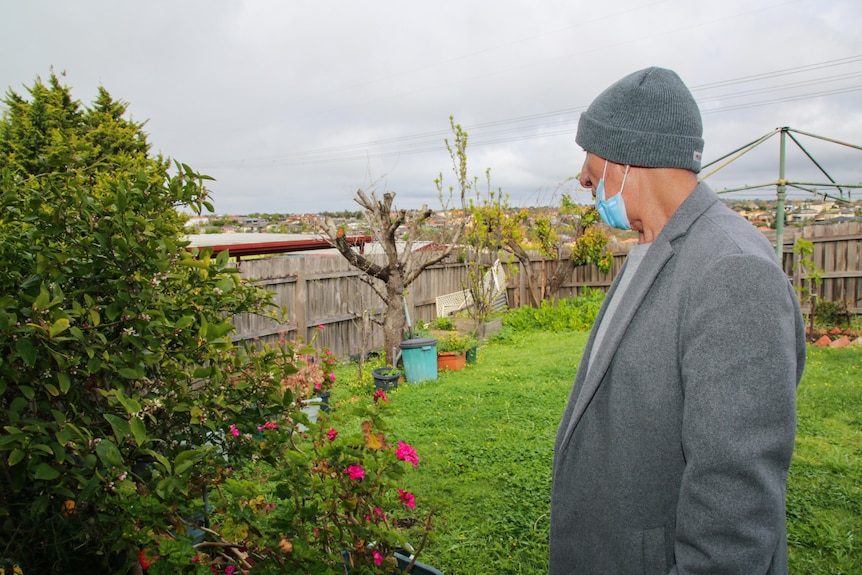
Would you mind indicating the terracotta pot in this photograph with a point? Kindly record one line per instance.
(452, 360)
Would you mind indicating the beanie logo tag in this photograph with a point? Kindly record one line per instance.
(697, 156)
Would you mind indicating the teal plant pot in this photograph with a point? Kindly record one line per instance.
(471, 354)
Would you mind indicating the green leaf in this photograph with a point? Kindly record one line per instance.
(95, 318)
(59, 452)
(65, 435)
(94, 364)
(202, 371)
(131, 405)
(108, 453)
(130, 373)
(26, 350)
(65, 382)
(222, 259)
(58, 327)
(59, 417)
(225, 284)
(27, 391)
(185, 460)
(205, 264)
(15, 456)
(160, 458)
(139, 430)
(219, 330)
(42, 300)
(114, 310)
(46, 472)
(120, 426)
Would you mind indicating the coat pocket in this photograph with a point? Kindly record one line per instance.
(655, 557)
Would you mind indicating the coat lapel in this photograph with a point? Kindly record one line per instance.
(658, 255)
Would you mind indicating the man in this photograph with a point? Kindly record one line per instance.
(674, 447)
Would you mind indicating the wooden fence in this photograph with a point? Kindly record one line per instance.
(323, 290)
(837, 254)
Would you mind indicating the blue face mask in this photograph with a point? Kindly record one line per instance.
(613, 211)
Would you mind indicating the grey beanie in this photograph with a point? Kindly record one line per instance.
(648, 119)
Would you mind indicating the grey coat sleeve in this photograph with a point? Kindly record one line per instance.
(739, 370)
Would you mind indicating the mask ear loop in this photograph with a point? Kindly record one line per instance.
(625, 175)
(605, 171)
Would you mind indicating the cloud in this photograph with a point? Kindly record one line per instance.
(292, 106)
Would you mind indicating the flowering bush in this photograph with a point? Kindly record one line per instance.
(297, 495)
(124, 404)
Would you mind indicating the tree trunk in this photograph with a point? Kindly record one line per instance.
(395, 320)
(565, 267)
(527, 269)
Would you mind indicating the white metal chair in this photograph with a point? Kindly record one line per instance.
(493, 284)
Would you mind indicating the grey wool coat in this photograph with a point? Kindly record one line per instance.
(672, 454)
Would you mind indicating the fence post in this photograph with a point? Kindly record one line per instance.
(300, 301)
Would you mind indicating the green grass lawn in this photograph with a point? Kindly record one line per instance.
(485, 438)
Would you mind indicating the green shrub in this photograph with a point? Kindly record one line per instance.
(577, 314)
(456, 342)
(443, 323)
(831, 313)
(113, 345)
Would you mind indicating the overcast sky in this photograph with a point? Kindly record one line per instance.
(293, 105)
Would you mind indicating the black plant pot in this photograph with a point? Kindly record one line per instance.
(385, 378)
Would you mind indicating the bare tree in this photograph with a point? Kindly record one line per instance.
(401, 264)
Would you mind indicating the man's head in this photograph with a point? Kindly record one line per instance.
(646, 119)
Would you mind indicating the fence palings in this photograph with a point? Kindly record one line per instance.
(324, 290)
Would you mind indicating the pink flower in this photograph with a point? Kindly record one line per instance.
(406, 498)
(229, 569)
(380, 394)
(234, 430)
(317, 387)
(332, 377)
(406, 453)
(268, 425)
(331, 434)
(355, 472)
(378, 512)
(378, 558)
(320, 327)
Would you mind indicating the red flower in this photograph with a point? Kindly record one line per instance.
(406, 498)
(406, 453)
(355, 472)
(331, 434)
(380, 394)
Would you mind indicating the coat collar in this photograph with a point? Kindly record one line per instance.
(660, 252)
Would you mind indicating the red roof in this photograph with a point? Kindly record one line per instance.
(239, 249)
